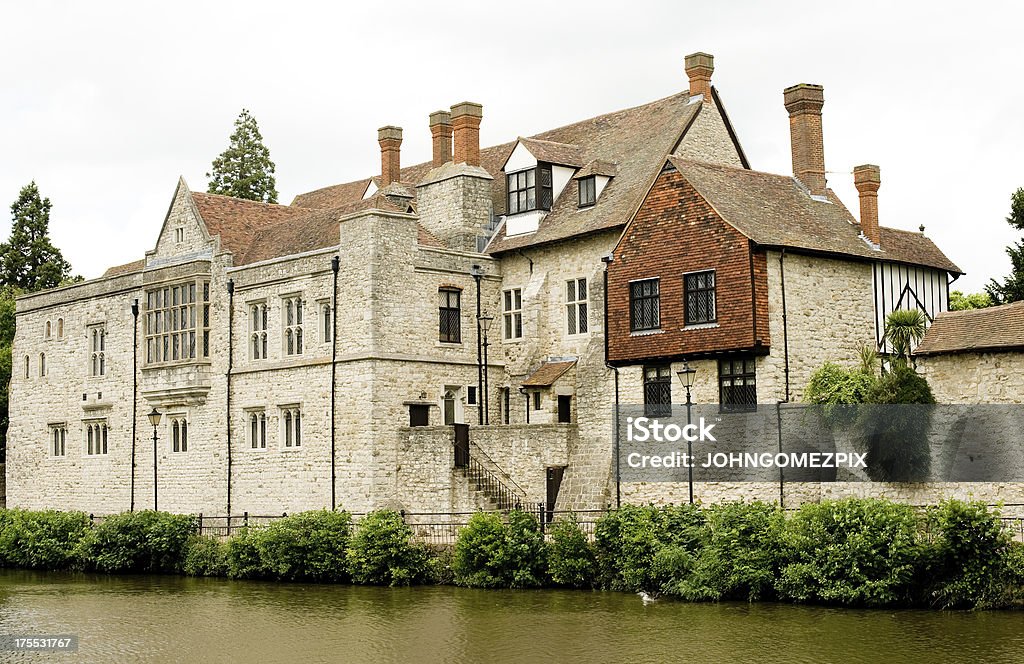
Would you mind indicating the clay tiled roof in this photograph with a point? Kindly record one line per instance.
(547, 374)
(776, 211)
(597, 167)
(638, 139)
(975, 330)
(428, 239)
(127, 268)
(239, 221)
(552, 152)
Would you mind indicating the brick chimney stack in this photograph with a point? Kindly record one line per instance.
(867, 179)
(441, 133)
(804, 102)
(699, 67)
(390, 139)
(466, 118)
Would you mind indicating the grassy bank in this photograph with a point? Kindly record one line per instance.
(854, 552)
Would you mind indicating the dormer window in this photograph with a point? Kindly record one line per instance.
(588, 191)
(529, 190)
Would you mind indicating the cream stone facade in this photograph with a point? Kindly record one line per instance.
(316, 355)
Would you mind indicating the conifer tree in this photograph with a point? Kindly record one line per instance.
(244, 170)
(28, 260)
(1012, 287)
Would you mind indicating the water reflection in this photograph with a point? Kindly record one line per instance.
(170, 619)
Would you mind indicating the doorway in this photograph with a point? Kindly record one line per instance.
(564, 408)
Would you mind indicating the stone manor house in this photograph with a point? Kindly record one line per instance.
(315, 355)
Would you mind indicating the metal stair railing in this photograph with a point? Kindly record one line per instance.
(494, 481)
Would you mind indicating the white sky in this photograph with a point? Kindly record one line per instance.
(106, 103)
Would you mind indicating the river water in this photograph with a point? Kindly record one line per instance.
(172, 619)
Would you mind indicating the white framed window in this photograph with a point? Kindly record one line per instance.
(512, 310)
(97, 350)
(326, 322)
(576, 309)
(258, 330)
(257, 429)
(291, 307)
(291, 427)
(179, 235)
(96, 438)
(178, 432)
(178, 322)
(58, 440)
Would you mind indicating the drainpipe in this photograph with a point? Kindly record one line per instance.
(785, 325)
(231, 325)
(615, 434)
(478, 274)
(135, 395)
(335, 266)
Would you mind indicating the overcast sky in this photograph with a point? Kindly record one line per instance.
(105, 104)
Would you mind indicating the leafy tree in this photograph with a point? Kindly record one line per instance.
(28, 260)
(958, 301)
(1012, 287)
(244, 170)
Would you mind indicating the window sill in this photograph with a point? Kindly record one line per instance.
(646, 333)
(517, 340)
(448, 344)
(699, 326)
(291, 449)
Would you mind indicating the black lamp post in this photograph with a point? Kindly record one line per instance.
(687, 374)
(485, 325)
(154, 419)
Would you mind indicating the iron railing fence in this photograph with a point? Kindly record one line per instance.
(441, 529)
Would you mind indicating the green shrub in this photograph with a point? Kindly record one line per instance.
(439, 569)
(628, 539)
(895, 431)
(152, 542)
(837, 389)
(860, 552)
(491, 554)
(242, 555)
(741, 557)
(382, 552)
(309, 546)
(525, 554)
(1009, 591)
(48, 540)
(967, 555)
(205, 556)
(479, 556)
(571, 559)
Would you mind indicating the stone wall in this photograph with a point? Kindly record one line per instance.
(709, 140)
(829, 318)
(971, 378)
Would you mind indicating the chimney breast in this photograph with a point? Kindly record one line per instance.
(390, 139)
(867, 179)
(466, 118)
(699, 67)
(804, 102)
(441, 133)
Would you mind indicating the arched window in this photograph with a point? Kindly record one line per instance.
(291, 421)
(42, 364)
(97, 350)
(258, 329)
(293, 325)
(179, 434)
(46, 335)
(258, 430)
(60, 328)
(96, 438)
(26, 366)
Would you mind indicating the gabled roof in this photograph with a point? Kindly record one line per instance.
(552, 152)
(637, 139)
(598, 167)
(975, 330)
(777, 211)
(548, 373)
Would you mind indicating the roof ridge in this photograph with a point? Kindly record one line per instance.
(248, 201)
